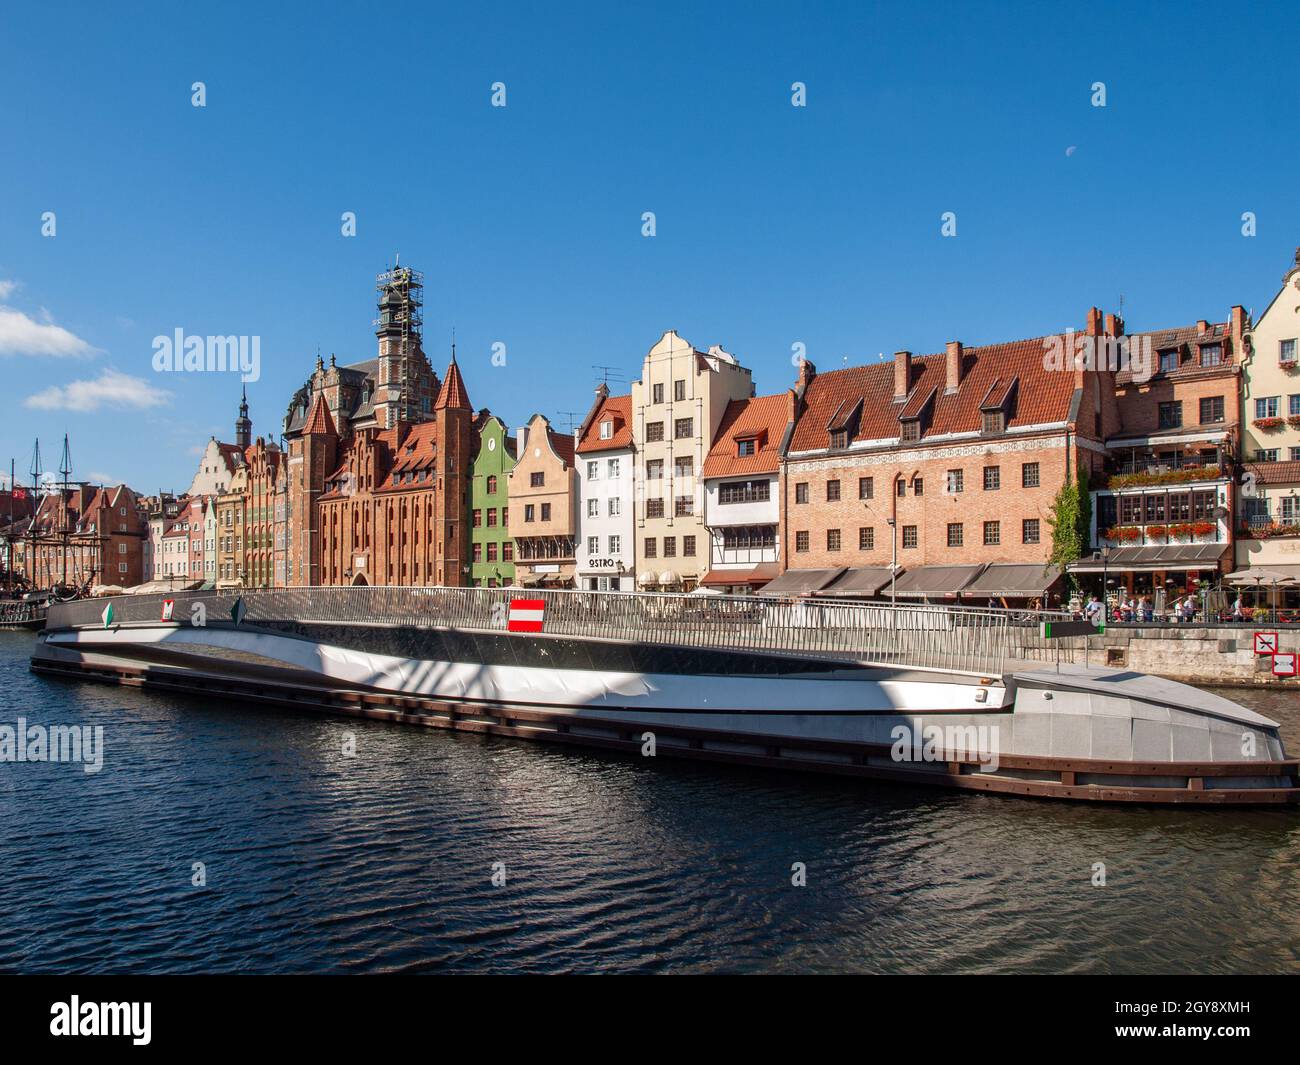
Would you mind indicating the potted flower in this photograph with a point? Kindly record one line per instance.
(1156, 532)
(1202, 528)
(1268, 424)
(1294, 421)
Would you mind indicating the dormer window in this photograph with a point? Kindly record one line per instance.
(745, 448)
(912, 429)
(1169, 360)
(994, 421)
(839, 439)
(1211, 354)
(607, 429)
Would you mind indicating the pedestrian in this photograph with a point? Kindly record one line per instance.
(1236, 609)
(1092, 611)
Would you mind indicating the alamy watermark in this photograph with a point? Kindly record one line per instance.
(179, 353)
(1081, 351)
(947, 743)
(54, 743)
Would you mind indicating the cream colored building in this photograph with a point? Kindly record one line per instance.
(1268, 525)
(677, 406)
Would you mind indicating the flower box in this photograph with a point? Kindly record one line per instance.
(1157, 532)
(1268, 424)
(1294, 421)
(1123, 533)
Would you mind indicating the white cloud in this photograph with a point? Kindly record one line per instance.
(6, 289)
(109, 389)
(21, 335)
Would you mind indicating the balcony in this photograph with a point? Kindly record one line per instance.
(1144, 474)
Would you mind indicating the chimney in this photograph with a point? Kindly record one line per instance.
(954, 366)
(902, 374)
(1094, 322)
(1240, 323)
(1202, 326)
(807, 371)
(521, 440)
(1114, 325)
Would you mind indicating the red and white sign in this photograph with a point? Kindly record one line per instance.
(526, 615)
(1284, 664)
(168, 605)
(1265, 643)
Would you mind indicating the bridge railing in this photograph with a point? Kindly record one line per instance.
(970, 640)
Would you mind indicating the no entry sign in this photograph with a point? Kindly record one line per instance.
(1266, 643)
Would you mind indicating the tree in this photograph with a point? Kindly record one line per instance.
(1070, 517)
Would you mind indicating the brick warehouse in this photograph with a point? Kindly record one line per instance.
(963, 452)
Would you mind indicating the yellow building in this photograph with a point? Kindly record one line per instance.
(677, 406)
(1268, 527)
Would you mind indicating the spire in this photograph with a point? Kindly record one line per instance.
(319, 421)
(452, 395)
(243, 426)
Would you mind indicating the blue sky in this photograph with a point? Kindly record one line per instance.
(776, 225)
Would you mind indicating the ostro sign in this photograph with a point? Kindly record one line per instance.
(602, 563)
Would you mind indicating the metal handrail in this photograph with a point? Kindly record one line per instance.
(960, 639)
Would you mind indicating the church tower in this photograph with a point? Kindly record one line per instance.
(455, 432)
(405, 384)
(243, 425)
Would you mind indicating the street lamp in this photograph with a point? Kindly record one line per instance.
(893, 564)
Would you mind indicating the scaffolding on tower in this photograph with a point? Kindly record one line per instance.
(401, 319)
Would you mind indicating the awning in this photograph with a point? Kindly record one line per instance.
(1151, 558)
(1013, 580)
(860, 583)
(936, 581)
(752, 575)
(801, 581)
(1264, 575)
(530, 580)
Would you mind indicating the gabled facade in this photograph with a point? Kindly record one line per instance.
(606, 465)
(84, 536)
(543, 506)
(742, 497)
(677, 406)
(491, 549)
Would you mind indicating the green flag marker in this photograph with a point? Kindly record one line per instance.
(108, 615)
(238, 611)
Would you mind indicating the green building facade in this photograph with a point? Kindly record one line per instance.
(491, 549)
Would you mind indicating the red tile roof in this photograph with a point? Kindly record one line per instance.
(452, 394)
(763, 418)
(562, 445)
(1042, 396)
(1187, 339)
(619, 408)
(319, 420)
(1275, 472)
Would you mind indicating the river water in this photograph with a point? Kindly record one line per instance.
(316, 861)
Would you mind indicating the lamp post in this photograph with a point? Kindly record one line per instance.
(1105, 582)
(893, 562)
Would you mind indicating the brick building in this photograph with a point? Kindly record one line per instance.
(84, 536)
(264, 468)
(939, 470)
(543, 506)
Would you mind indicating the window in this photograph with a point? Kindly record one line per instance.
(909, 536)
(529, 512)
(505, 515)
(954, 534)
(1266, 454)
(657, 394)
(546, 512)
(1180, 506)
(832, 539)
(683, 506)
(688, 546)
(654, 508)
(993, 421)
(745, 448)
(744, 492)
(684, 428)
(651, 547)
(992, 478)
(654, 432)
(918, 486)
(901, 487)
(1211, 409)
(1295, 454)
(614, 469)
(1029, 531)
(615, 506)
(1168, 360)
(912, 429)
(801, 492)
(670, 547)
(593, 508)
(832, 491)
(992, 533)
(1293, 404)
(492, 517)
(801, 540)
(866, 487)
(1286, 351)
(679, 391)
(1266, 407)
(745, 537)
(593, 471)
(536, 480)
(1130, 509)
(1211, 354)
(839, 438)
(607, 430)
(1029, 475)
(1153, 508)
(866, 539)
(1171, 414)
(476, 552)
(477, 518)
(491, 552)
(684, 467)
(615, 545)
(956, 482)
(654, 470)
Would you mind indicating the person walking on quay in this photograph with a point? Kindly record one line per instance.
(1236, 609)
